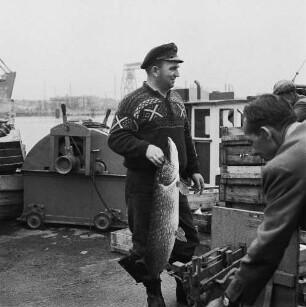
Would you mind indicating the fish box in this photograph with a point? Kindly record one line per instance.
(121, 241)
(203, 221)
(204, 201)
(242, 190)
(236, 149)
(238, 153)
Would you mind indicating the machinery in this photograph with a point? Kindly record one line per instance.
(71, 176)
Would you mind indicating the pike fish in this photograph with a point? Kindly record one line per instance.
(163, 228)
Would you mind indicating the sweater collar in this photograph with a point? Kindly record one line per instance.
(146, 85)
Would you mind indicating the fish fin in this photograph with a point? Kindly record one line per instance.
(180, 234)
(183, 188)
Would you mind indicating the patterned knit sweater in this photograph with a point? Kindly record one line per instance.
(145, 117)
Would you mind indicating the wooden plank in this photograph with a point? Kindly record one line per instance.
(238, 155)
(10, 145)
(9, 168)
(205, 201)
(241, 169)
(241, 193)
(8, 152)
(231, 131)
(11, 159)
(11, 182)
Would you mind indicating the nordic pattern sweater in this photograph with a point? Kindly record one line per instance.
(145, 117)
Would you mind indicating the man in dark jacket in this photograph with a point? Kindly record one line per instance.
(270, 123)
(287, 90)
(142, 124)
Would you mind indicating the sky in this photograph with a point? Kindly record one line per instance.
(80, 47)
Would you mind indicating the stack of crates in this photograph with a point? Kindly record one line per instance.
(240, 172)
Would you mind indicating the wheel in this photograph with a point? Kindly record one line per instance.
(102, 221)
(34, 220)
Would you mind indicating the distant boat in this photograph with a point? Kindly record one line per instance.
(12, 151)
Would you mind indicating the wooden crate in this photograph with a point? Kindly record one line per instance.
(121, 241)
(232, 227)
(203, 221)
(204, 201)
(241, 188)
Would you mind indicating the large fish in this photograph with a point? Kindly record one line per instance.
(164, 229)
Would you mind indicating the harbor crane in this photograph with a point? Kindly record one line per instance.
(129, 80)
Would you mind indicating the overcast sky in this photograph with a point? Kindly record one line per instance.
(79, 47)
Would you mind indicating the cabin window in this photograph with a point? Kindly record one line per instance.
(227, 118)
(230, 118)
(202, 123)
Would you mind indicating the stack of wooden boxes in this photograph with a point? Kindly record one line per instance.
(240, 172)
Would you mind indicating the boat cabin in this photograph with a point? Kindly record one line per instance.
(207, 118)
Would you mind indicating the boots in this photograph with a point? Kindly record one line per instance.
(134, 267)
(155, 297)
(181, 296)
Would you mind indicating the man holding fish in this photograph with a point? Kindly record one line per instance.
(151, 131)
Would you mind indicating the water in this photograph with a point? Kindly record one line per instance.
(33, 129)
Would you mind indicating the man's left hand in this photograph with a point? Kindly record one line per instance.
(198, 182)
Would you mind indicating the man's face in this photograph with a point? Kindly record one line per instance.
(263, 144)
(289, 97)
(168, 72)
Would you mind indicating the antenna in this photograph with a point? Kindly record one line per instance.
(298, 71)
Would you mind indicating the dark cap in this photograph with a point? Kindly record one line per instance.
(283, 87)
(167, 52)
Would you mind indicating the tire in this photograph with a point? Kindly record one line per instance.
(102, 221)
(34, 220)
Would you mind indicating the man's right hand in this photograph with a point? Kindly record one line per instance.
(155, 155)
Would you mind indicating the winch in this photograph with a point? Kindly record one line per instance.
(71, 176)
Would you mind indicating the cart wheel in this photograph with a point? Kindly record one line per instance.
(102, 221)
(34, 220)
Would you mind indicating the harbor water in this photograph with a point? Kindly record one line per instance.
(34, 128)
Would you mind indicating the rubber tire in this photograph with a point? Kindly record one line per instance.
(102, 221)
(34, 220)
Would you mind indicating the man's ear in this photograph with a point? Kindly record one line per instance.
(266, 132)
(155, 71)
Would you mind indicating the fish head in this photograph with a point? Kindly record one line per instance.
(169, 171)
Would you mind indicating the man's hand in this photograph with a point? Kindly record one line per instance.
(216, 303)
(155, 155)
(4, 129)
(198, 182)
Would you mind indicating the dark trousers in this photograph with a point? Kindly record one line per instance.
(139, 191)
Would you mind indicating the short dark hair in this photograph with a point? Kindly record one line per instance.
(268, 109)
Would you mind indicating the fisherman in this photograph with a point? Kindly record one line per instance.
(270, 124)
(142, 124)
(287, 90)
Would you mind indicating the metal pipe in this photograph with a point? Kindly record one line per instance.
(198, 89)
